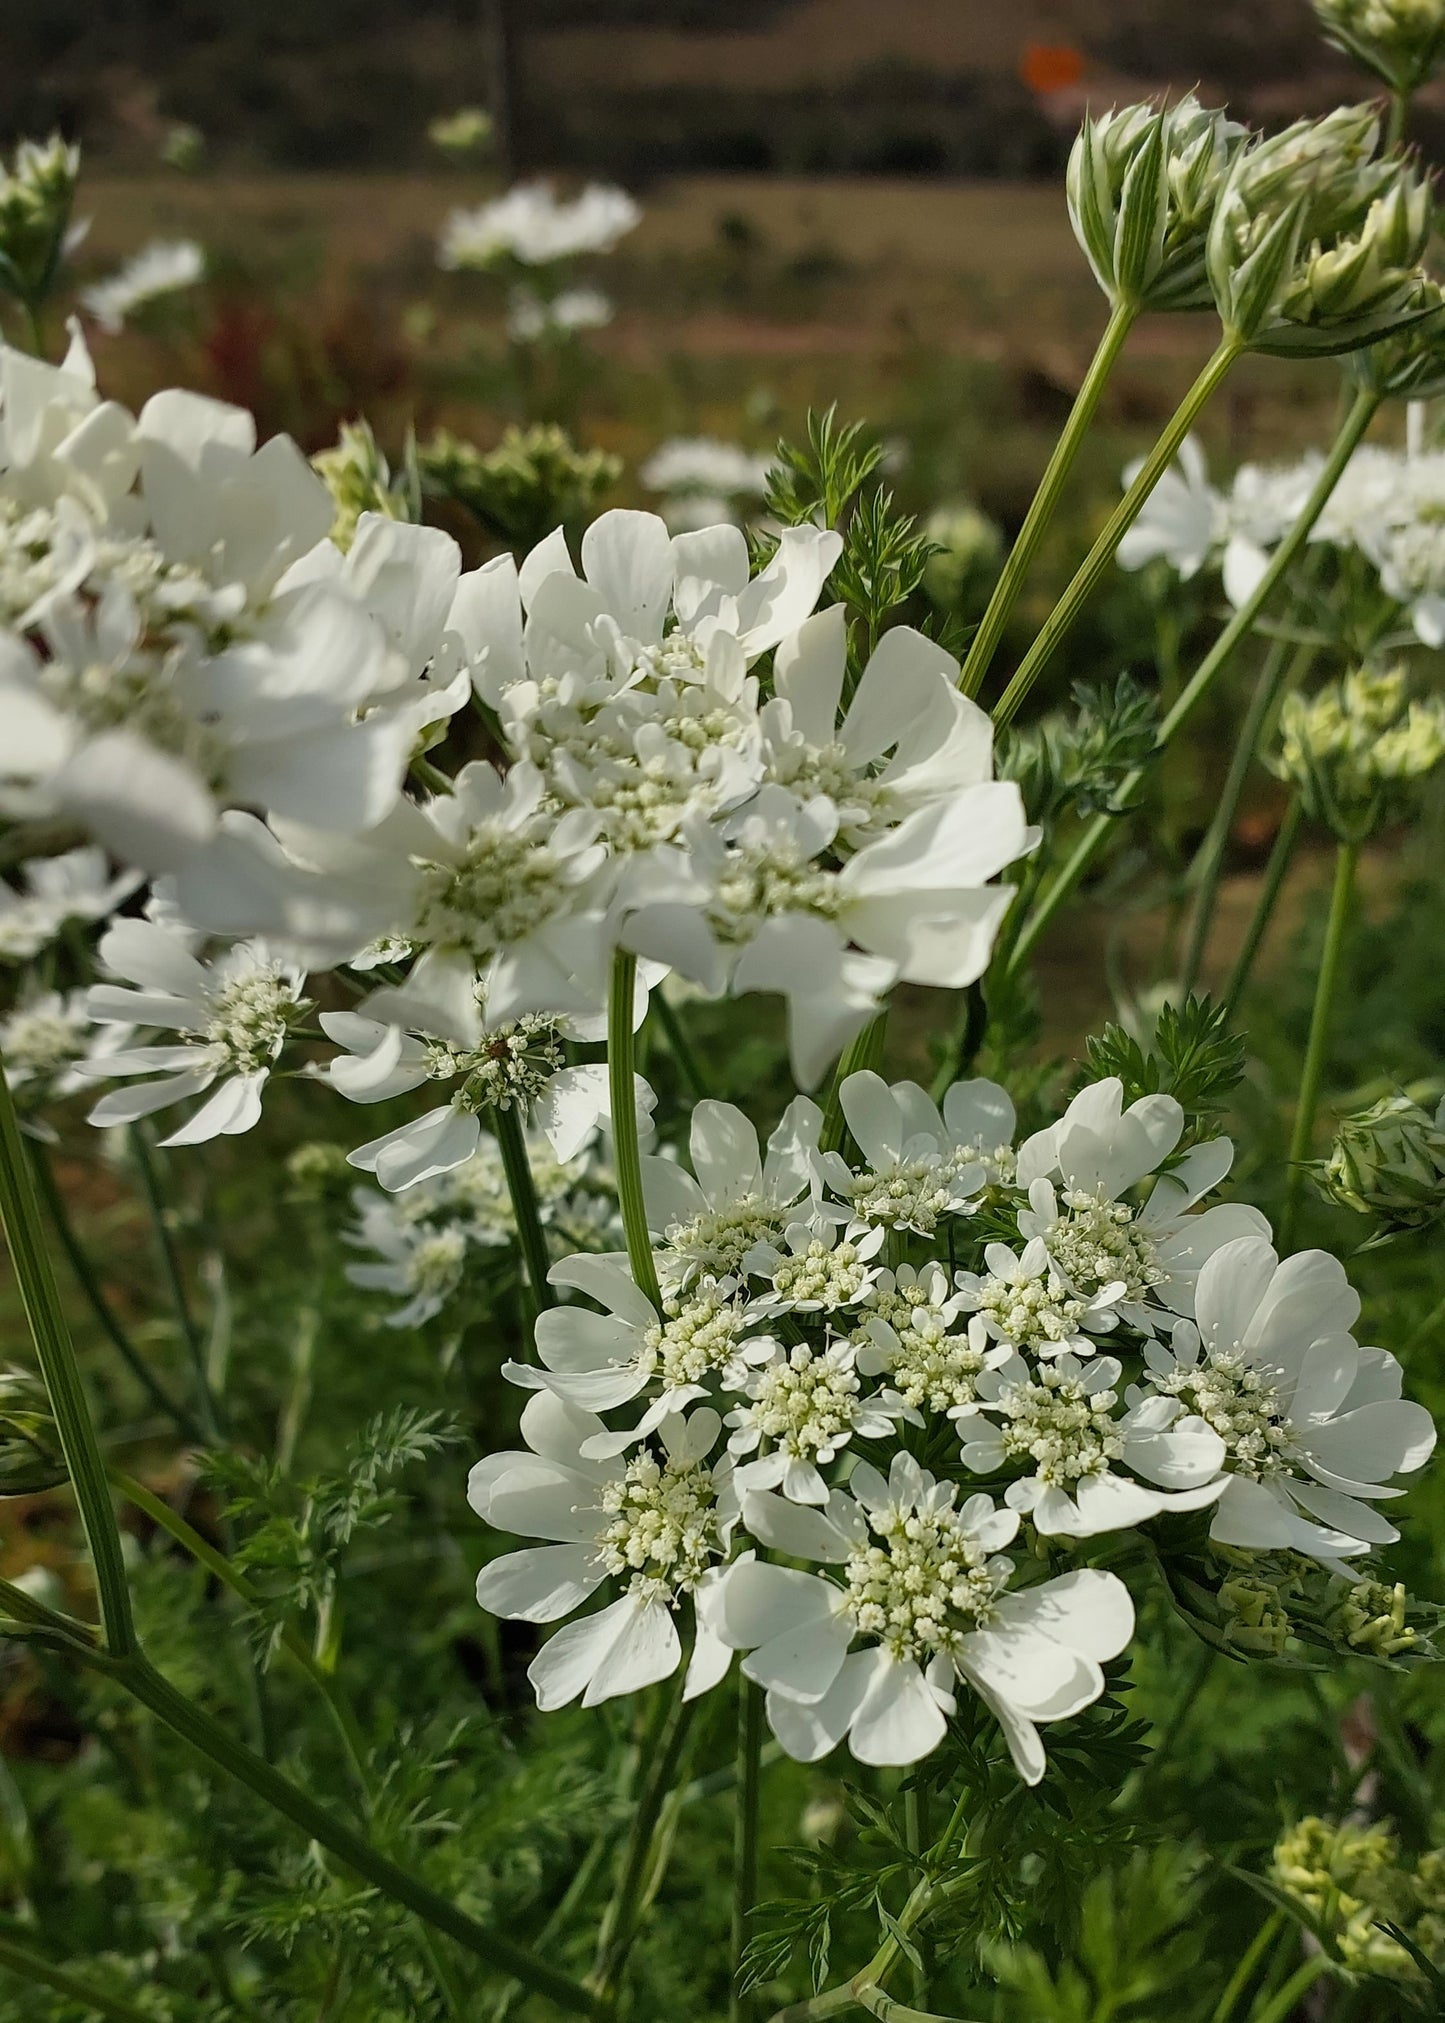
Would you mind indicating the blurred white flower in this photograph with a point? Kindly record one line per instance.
(164, 267)
(533, 226)
(531, 317)
(76, 885)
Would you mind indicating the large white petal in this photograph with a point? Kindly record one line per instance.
(809, 1730)
(647, 1650)
(1088, 1611)
(566, 1663)
(540, 1584)
(899, 1718)
(235, 1107)
(627, 559)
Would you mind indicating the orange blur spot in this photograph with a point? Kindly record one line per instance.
(1047, 67)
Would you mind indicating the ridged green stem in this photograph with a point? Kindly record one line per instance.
(1095, 564)
(741, 2007)
(661, 1755)
(531, 1236)
(1045, 500)
(145, 1163)
(1361, 413)
(32, 1967)
(1274, 877)
(24, 1230)
(1347, 859)
(625, 1144)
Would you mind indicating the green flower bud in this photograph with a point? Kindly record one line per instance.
(534, 480)
(463, 134)
(1401, 41)
(1142, 186)
(1388, 1162)
(36, 194)
(1256, 1616)
(1371, 1618)
(183, 148)
(1316, 241)
(968, 551)
(30, 1456)
(318, 1171)
(359, 479)
(1350, 1881)
(1410, 366)
(1359, 748)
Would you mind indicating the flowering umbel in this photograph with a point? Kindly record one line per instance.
(1401, 41)
(1358, 749)
(1388, 1162)
(36, 193)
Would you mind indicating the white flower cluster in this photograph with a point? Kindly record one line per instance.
(1388, 507)
(165, 267)
(535, 227)
(1135, 1354)
(703, 480)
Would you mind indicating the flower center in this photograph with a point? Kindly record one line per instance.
(1034, 1312)
(806, 1402)
(1066, 1432)
(694, 1340)
(930, 1366)
(718, 1239)
(1243, 1408)
(663, 1528)
(1100, 1243)
(762, 880)
(249, 1018)
(436, 1263)
(508, 884)
(924, 1586)
(42, 1043)
(820, 1276)
(911, 1195)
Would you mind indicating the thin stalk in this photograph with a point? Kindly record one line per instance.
(681, 1048)
(520, 1185)
(32, 1967)
(1269, 891)
(915, 1834)
(1240, 1979)
(1280, 672)
(1399, 115)
(620, 1925)
(1347, 859)
(1285, 2002)
(626, 1149)
(1095, 564)
(876, 2003)
(1347, 441)
(558, 1919)
(140, 1678)
(864, 1050)
(180, 1415)
(24, 1230)
(1046, 499)
(741, 2007)
(175, 1278)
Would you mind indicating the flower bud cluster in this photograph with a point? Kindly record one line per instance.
(1401, 41)
(36, 193)
(360, 480)
(1359, 747)
(1353, 1882)
(1388, 1162)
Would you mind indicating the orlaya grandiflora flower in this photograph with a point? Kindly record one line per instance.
(906, 739)
(1021, 1299)
(1313, 1425)
(1084, 1452)
(1077, 1173)
(740, 1197)
(76, 885)
(174, 649)
(659, 1523)
(800, 1406)
(771, 907)
(47, 1038)
(433, 1028)
(418, 1260)
(920, 1584)
(230, 1015)
(1188, 522)
(58, 439)
(921, 1162)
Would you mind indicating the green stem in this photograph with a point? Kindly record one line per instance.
(681, 1047)
(38, 1971)
(1280, 672)
(523, 1190)
(20, 1213)
(1347, 441)
(741, 2007)
(140, 1678)
(175, 1277)
(876, 2003)
(179, 1415)
(626, 1149)
(1269, 891)
(1092, 570)
(1399, 117)
(1285, 2002)
(1046, 499)
(1347, 858)
(864, 1050)
(620, 1925)
(1239, 1980)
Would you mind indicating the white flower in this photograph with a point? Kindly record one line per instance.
(46, 1039)
(922, 1584)
(1064, 1425)
(817, 1268)
(699, 472)
(907, 739)
(920, 1163)
(803, 1406)
(659, 1524)
(231, 1017)
(531, 317)
(906, 1332)
(1313, 1425)
(739, 1199)
(164, 267)
(77, 885)
(58, 438)
(767, 910)
(533, 226)
(1095, 1241)
(1188, 522)
(1180, 521)
(1023, 1300)
(417, 1259)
